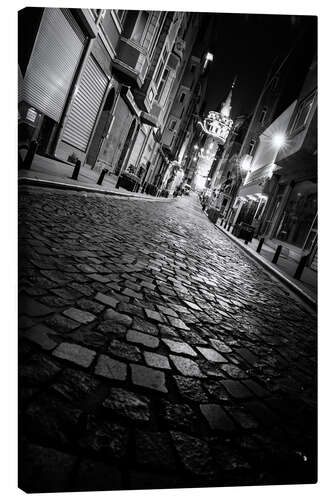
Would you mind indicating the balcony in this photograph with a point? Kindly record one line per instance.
(131, 62)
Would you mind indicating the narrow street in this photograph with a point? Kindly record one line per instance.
(154, 353)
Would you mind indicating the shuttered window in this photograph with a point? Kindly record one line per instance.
(86, 105)
(53, 62)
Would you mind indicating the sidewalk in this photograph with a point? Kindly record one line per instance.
(48, 172)
(284, 270)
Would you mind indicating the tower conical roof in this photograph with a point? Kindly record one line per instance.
(226, 106)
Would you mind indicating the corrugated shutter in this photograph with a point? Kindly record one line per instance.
(54, 59)
(86, 106)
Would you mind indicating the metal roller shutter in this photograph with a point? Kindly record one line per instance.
(54, 59)
(86, 105)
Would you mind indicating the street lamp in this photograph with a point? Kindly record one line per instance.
(246, 163)
(279, 140)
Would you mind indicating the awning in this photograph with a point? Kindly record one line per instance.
(149, 119)
(251, 189)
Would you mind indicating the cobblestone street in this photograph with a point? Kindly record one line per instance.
(153, 353)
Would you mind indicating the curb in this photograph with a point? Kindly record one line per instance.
(27, 181)
(288, 282)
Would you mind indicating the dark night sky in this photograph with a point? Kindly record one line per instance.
(246, 46)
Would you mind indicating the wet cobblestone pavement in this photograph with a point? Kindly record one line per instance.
(154, 354)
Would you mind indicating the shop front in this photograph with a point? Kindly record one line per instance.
(297, 223)
(47, 73)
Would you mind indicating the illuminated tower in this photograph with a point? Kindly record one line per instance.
(216, 126)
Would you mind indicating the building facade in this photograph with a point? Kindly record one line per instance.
(187, 96)
(99, 86)
(279, 195)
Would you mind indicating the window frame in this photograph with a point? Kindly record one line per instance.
(295, 128)
(252, 145)
(173, 122)
(182, 97)
(263, 115)
(162, 83)
(145, 28)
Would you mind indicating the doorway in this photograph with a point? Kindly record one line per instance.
(125, 147)
(101, 129)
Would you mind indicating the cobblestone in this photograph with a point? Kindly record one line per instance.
(148, 377)
(75, 385)
(32, 307)
(106, 299)
(128, 404)
(217, 417)
(220, 346)
(187, 367)
(177, 416)
(144, 326)
(41, 335)
(179, 347)
(142, 338)
(80, 316)
(75, 353)
(212, 355)
(175, 334)
(116, 317)
(61, 324)
(191, 389)
(37, 370)
(157, 360)
(106, 439)
(110, 368)
(52, 420)
(194, 454)
(124, 350)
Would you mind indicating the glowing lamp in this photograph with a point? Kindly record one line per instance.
(246, 163)
(279, 140)
(209, 56)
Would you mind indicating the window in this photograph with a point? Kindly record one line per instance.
(182, 97)
(140, 26)
(172, 125)
(274, 82)
(161, 66)
(299, 214)
(120, 14)
(302, 114)
(263, 116)
(135, 24)
(251, 146)
(192, 69)
(162, 84)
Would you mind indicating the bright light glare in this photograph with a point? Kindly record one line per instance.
(200, 182)
(279, 140)
(246, 163)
